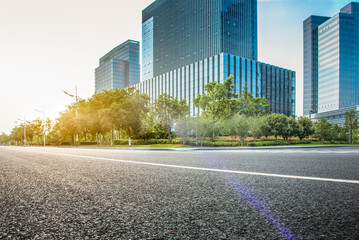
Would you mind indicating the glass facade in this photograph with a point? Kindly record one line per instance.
(147, 50)
(331, 61)
(182, 32)
(119, 68)
(263, 80)
(310, 54)
(338, 60)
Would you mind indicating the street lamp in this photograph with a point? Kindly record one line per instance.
(74, 96)
(24, 130)
(43, 122)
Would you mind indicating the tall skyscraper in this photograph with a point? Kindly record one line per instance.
(338, 64)
(310, 51)
(176, 33)
(187, 44)
(119, 68)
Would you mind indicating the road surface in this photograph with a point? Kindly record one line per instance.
(78, 193)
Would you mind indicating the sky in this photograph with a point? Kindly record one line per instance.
(48, 46)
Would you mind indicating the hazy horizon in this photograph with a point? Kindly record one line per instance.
(48, 47)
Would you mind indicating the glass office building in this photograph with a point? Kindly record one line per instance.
(338, 62)
(263, 80)
(176, 33)
(119, 68)
(310, 51)
(187, 44)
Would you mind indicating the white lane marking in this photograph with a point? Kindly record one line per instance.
(204, 169)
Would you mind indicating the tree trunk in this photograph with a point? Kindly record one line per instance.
(169, 130)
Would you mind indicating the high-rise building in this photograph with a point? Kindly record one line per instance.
(338, 64)
(187, 44)
(176, 33)
(276, 84)
(119, 68)
(310, 51)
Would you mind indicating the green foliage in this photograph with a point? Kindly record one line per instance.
(351, 125)
(209, 128)
(4, 139)
(292, 128)
(239, 126)
(167, 110)
(277, 124)
(141, 142)
(252, 107)
(257, 124)
(132, 110)
(339, 133)
(219, 100)
(323, 130)
(185, 127)
(306, 127)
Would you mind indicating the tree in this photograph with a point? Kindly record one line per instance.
(132, 110)
(351, 125)
(110, 112)
(168, 109)
(277, 122)
(66, 124)
(240, 125)
(292, 128)
(250, 106)
(4, 139)
(209, 128)
(219, 100)
(98, 126)
(257, 127)
(184, 128)
(306, 127)
(323, 129)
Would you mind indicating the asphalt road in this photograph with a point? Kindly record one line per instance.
(74, 193)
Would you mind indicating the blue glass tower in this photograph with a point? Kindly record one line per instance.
(338, 60)
(338, 64)
(187, 44)
(119, 68)
(310, 51)
(176, 33)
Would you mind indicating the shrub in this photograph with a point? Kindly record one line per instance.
(88, 143)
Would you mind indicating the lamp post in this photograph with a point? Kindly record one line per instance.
(74, 96)
(24, 130)
(43, 122)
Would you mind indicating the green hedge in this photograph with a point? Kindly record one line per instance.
(249, 143)
(141, 142)
(88, 143)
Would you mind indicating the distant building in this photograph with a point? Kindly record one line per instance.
(187, 44)
(119, 68)
(338, 64)
(310, 51)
